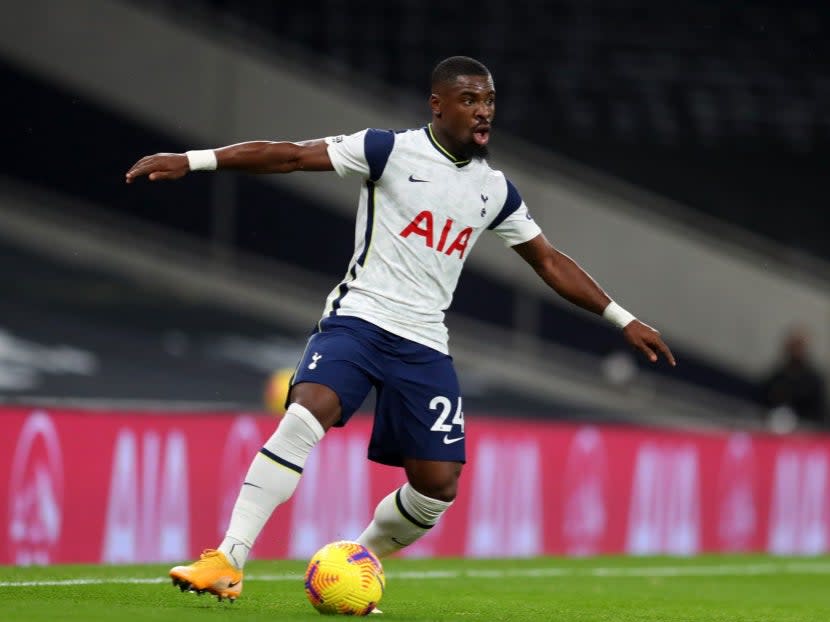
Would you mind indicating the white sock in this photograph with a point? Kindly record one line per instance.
(400, 519)
(271, 480)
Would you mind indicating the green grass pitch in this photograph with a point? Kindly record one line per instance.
(746, 588)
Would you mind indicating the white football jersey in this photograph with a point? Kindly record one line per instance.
(420, 212)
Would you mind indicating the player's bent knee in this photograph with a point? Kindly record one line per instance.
(437, 480)
(319, 399)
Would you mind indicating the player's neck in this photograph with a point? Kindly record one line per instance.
(446, 142)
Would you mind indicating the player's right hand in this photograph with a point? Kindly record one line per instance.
(159, 166)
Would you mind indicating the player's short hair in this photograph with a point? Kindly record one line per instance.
(450, 68)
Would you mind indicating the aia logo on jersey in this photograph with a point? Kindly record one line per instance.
(422, 225)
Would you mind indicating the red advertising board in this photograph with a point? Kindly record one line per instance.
(92, 486)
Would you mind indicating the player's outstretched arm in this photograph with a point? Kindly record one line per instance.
(259, 156)
(571, 282)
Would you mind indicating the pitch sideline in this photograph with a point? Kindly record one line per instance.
(770, 568)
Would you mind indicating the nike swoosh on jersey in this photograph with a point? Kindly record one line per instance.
(412, 178)
(450, 441)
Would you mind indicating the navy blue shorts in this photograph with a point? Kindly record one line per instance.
(418, 411)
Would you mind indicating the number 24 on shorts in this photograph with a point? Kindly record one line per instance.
(439, 402)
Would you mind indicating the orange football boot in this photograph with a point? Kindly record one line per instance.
(212, 573)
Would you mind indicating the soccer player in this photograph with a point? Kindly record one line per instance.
(426, 196)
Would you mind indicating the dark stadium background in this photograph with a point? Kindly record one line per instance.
(722, 109)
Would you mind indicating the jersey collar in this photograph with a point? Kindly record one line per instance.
(441, 150)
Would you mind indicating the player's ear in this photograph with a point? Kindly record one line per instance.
(435, 105)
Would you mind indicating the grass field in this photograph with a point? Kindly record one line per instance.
(711, 588)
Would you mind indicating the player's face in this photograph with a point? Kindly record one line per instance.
(463, 112)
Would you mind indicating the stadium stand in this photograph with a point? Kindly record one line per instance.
(82, 336)
(581, 44)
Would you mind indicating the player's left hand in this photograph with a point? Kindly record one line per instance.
(159, 166)
(648, 341)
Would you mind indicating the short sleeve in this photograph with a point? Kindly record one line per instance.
(364, 153)
(347, 154)
(514, 224)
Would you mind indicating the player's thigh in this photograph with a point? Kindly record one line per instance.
(433, 478)
(419, 414)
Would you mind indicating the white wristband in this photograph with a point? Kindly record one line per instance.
(201, 160)
(618, 316)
